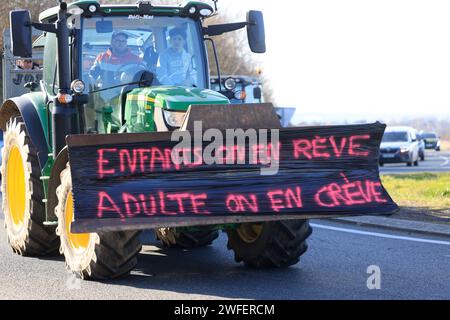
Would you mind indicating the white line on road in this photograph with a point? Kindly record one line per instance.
(447, 161)
(380, 235)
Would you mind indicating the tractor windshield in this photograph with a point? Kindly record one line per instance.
(115, 50)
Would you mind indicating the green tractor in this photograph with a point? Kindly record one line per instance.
(115, 75)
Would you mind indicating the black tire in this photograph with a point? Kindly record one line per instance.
(416, 163)
(422, 157)
(31, 238)
(381, 164)
(171, 237)
(278, 244)
(105, 255)
(409, 164)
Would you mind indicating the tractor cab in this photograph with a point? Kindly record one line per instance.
(120, 51)
(135, 68)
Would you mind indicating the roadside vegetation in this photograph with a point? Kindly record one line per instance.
(420, 190)
(445, 145)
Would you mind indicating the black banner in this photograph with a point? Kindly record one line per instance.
(132, 179)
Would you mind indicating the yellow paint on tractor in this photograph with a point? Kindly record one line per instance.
(135, 97)
(78, 242)
(15, 187)
(250, 232)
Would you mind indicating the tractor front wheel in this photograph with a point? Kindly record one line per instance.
(93, 256)
(22, 195)
(270, 244)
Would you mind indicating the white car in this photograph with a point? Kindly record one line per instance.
(399, 144)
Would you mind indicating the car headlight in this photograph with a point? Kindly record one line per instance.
(404, 149)
(174, 119)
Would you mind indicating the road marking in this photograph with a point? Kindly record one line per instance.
(380, 235)
(447, 161)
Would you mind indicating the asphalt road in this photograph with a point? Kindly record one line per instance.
(434, 162)
(335, 267)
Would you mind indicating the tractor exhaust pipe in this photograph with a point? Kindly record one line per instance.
(64, 113)
(63, 49)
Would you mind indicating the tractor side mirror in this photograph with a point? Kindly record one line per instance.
(21, 42)
(255, 32)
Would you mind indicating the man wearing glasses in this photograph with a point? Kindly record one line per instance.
(175, 64)
(118, 55)
(108, 72)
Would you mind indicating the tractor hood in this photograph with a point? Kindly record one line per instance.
(177, 98)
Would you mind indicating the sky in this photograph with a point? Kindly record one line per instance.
(348, 59)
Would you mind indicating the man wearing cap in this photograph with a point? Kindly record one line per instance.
(175, 64)
(105, 70)
(118, 55)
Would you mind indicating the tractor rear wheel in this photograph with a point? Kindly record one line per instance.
(171, 237)
(269, 244)
(23, 193)
(93, 256)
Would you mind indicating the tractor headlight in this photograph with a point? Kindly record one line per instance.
(173, 118)
(230, 84)
(192, 10)
(78, 86)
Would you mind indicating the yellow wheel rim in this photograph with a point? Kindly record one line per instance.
(78, 241)
(249, 233)
(15, 187)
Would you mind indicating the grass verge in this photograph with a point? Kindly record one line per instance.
(420, 190)
(445, 145)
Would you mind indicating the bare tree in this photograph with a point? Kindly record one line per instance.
(34, 6)
(235, 56)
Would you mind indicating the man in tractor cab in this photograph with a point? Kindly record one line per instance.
(110, 70)
(175, 63)
(107, 64)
